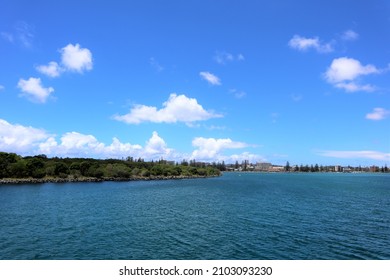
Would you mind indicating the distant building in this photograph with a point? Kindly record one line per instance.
(263, 166)
(337, 168)
(347, 169)
(374, 168)
(276, 169)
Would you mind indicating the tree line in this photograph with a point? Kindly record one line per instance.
(40, 166)
(332, 168)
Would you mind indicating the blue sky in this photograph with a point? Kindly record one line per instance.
(299, 81)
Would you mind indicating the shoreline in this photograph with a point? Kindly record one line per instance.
(19, 181)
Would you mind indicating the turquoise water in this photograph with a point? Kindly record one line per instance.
(236, 216)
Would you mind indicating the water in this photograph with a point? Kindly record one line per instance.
(236, 216)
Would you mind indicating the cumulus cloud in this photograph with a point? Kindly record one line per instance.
(378, 114)
(34, 90)
(373, 155)
(18, 138)
(77, 59)
(178, 108)
(347, 69)
(27, 140)
(73, 59)
(211, 148)
(344, 71)
(52, 69)
(210, 78)
(157, 147)
(222, 57)
(303, 44)
(74, 144)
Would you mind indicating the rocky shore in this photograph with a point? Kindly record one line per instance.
(92, 179)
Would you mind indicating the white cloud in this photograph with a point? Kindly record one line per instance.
(352, 87)
(350, 35)
(75, 58)
(74, 144)
(373, 155)
(211, 148)
(347, 69)
(378, 114)
(117, 149)
(2, 87)
(178, 108)
(222, 57)
(52, 69)
(33, 90)
(343, 72)
(27, 140)
(47, 147)
(210, 78)
(156, 147)
(18, 138)
(303, 44)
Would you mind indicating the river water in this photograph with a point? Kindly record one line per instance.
(235, 216)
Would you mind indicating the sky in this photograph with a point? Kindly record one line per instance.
(266, 81)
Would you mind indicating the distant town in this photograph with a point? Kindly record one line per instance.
(246, 166)
(269, 167)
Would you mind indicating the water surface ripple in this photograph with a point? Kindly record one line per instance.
(236, 216)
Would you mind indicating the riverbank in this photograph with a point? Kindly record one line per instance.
(18, 181)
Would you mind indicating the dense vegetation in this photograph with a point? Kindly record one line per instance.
(40, 166)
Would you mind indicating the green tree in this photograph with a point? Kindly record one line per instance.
(120, 170)
(193, 171)
(178, 170)
(61, 168)
(287, 167)
(84, 167)
(35, 167)
(18, 169)
(157, 170)
(5, 160)
(136, 171)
